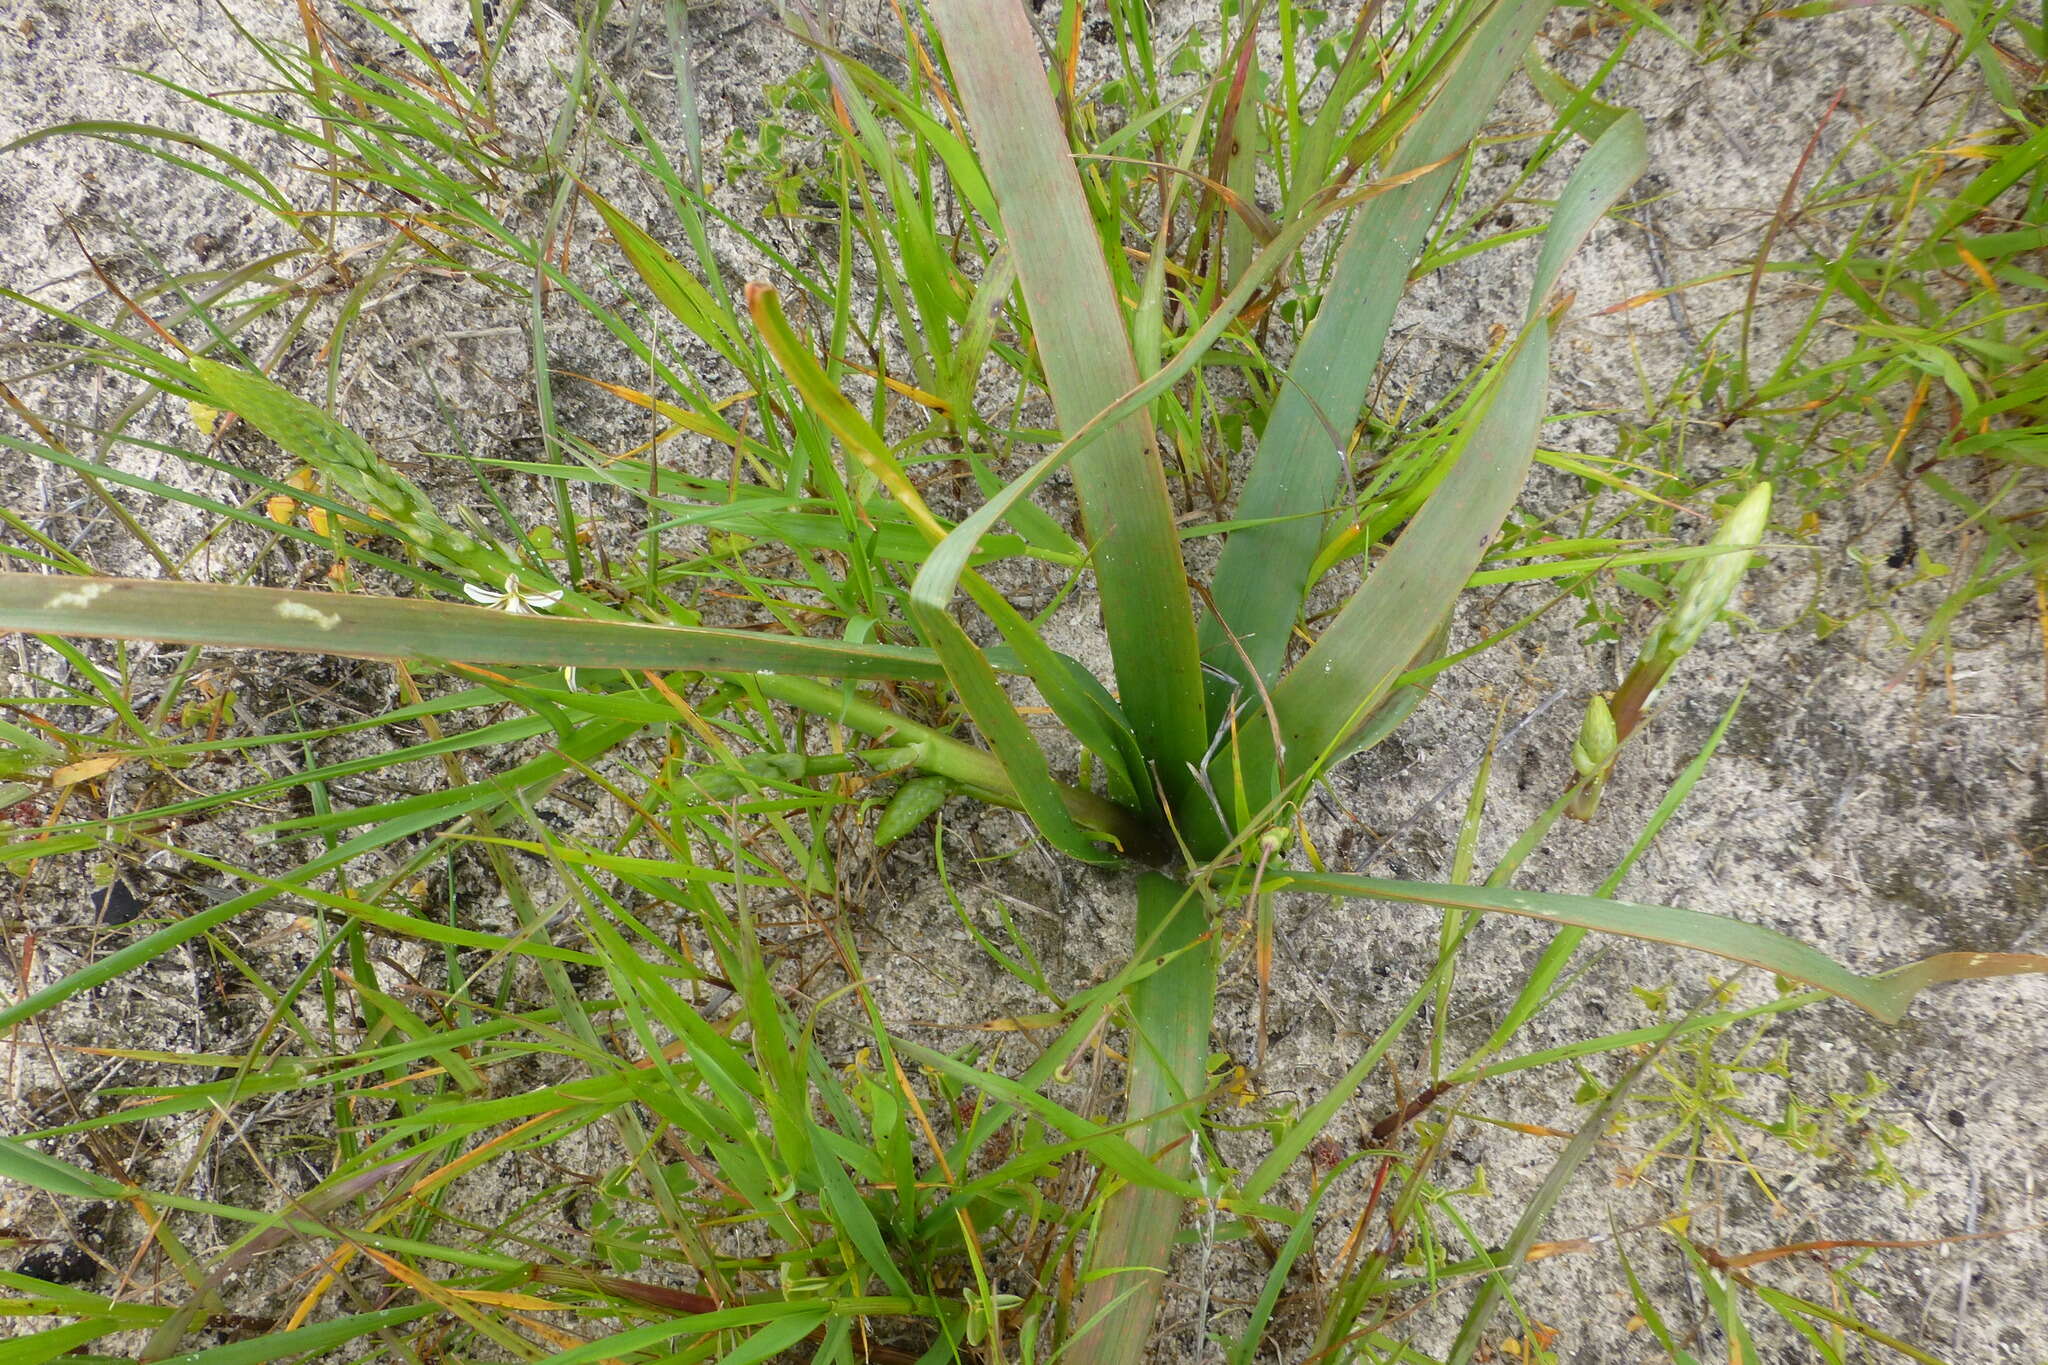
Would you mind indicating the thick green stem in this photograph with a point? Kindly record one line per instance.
(1169, 1049)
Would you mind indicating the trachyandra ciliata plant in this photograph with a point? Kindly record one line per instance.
(1199, 754)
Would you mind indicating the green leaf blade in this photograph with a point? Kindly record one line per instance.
(1323, 700)
(1886, 996)
(404, 628)
(1170, 1017)
(1263, 573)
(1079, 329)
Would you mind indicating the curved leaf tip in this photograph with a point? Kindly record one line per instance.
(1886, 996)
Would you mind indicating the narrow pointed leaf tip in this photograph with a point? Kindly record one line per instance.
(1887, 996)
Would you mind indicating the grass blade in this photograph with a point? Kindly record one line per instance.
(1558, 953)
(671, 282)
(23, 1164)
(1099, 727)
(676, 12)
(1515, 1252)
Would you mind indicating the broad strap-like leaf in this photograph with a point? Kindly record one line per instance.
(1326, 697)
(1078, 325)
(403, 628)
(1170, 1017)
(1886, 996)
(939, 579)
(1262, 575)
(782, 667)
(1613, 163)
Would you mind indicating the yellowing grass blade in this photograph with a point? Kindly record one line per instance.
(1886, 996)
(671, 283)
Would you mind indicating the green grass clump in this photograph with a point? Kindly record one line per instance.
(828, 620)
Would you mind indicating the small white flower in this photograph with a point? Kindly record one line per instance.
(517, 599)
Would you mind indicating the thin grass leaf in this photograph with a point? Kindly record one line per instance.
(1085, 710)
(676, 13)
(671, 282)
(24, 1164)
(855, 1221)
(1558, 953)
(1514, 1253)
(1792, 1307)
(1106, 1145)
(775, 1337)
(1886, 996)
(1247, 1346)
(961, 166)
(1575, 107)
(303, 1341)
(435, 809)
(123, 134)
(1317, 1118)
(37, 1347)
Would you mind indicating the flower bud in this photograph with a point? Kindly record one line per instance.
(1597, 739)
(1705, 585)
